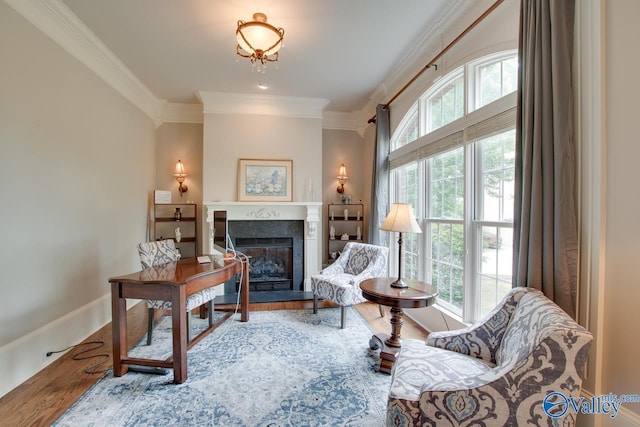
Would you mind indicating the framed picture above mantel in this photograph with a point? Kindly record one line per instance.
(265, 180)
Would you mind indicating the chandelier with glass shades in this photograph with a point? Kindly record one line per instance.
(259, 41)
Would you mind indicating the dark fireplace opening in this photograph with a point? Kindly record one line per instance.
(276, 252)
(270, 262)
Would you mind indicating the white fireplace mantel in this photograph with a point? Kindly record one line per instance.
(309, 212)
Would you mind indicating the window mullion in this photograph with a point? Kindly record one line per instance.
(469, 305)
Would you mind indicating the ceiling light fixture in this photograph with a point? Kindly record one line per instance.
(259, 41)
(263, 86)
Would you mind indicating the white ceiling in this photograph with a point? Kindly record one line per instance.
(340, 50)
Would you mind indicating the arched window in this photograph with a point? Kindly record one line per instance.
(445, 102)
(457, 171)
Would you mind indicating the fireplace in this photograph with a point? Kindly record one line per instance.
(271, 263)
(245, 220)
(276, 253)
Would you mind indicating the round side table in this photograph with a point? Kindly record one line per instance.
(378, 290)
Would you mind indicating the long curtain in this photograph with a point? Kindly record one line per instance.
(545, 221)
(380, 184)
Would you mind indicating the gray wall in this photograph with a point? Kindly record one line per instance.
(78, 162)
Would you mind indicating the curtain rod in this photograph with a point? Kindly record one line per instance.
(439, 55)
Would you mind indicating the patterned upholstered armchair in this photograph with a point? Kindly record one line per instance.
(161, 253)
(497, 372)
(340, 282)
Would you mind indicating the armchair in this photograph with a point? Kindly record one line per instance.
(497, 372)
(340, 282)
(161, 252)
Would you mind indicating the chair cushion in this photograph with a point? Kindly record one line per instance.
(419, 364)
(338, 288)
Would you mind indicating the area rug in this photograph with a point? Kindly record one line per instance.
(282, 368)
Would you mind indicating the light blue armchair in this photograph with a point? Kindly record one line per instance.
(340, 282)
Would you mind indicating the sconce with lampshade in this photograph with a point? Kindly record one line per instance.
(342, 178)
(402, 220)
(180, 175)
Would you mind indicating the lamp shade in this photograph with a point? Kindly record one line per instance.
(401, 219)
(180, 169)
(342, 173)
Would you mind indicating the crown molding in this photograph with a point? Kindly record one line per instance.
(182, 113)
(54, 19)
(238, 103)
(343, 121)
(430, 43)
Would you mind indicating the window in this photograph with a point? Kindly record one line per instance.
(495, 78)
(446, 103)
(408, 130)
(406, 179)
(460, 181)
(445, 227)
(493, 224)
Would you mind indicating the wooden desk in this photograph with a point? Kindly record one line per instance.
(170, 282)
(379, 290)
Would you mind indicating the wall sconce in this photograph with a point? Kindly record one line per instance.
(342, 178)
(180, 176)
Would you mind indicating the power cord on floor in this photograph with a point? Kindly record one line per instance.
(82, 355)
(243, 258)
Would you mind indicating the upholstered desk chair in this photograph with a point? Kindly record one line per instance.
(155, 254)
(340, 282)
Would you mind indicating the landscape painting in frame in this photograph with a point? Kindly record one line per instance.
(265, 180)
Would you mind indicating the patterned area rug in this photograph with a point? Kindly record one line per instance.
(282, 368)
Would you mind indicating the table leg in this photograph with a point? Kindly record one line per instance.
(244, 292)
(179, 326)
(118, 329)
(389, 345)
(396, 325)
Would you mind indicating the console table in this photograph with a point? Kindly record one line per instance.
(170, 282)
(379, 290)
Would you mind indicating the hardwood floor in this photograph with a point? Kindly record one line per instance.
(40, 400)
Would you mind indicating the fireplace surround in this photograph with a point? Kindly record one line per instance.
(307, 213)
(276, 252)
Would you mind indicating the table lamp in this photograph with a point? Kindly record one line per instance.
(400, 219)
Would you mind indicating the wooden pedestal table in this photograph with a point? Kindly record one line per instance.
(378, 290)
(173, 282)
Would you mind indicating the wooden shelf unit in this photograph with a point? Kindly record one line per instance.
(342, 225)
(165, 224)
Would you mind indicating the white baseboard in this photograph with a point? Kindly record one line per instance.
(433, 319)
(24, 357)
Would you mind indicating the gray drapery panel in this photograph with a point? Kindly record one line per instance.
(545, 220)
(380, 184)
